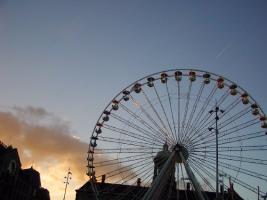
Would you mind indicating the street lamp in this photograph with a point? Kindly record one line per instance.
(67, 182)
(216, 111)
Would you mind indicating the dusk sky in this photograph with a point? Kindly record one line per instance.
(62, 61)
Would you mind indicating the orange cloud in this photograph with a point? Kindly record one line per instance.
(45, 141)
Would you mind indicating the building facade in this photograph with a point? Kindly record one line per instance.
(17, 183)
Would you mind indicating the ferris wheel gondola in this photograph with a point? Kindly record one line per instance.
(172, 108)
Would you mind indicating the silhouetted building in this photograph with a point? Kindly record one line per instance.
(126, 192)
(17, 183)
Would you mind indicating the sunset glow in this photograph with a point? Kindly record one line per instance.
(63, 61)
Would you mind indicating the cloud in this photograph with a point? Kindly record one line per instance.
(45, 141)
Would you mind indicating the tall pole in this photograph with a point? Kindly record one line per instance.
(258, 192)
(217, 163)
(67, 181)
(216, 111)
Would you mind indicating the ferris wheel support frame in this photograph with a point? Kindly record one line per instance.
(193, 179)
(161, 180)
(158, 185)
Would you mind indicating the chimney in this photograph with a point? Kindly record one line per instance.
(103, 178)
(139, 182)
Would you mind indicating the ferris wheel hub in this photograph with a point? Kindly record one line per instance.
(178, 148)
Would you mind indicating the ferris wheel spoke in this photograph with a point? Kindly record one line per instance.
(134, 176)
(114, 187)
(203, 140)
(228, 108)
(127, 142)
(209, 121)
(131, 151)
(198, 168)
(237, 148)
(171, 109)
(238, 127)
(132, 134)
(224, 133)
(246, 160)
(136, 127)
(155, 132)
(206, 171)
(121, 161)
(195, 135)
(243, 159)
(178, 109)
(141, 192)
(147, 180)
(191, 116)
(164, 132)
(203, 109)
(245, 137)
(211, 163)
(123, 152)
(236, 180)
(186, 110)
(232, 140)
(165, 114)
(134, 148)
(247, 186)
(235, 117)
(138, 170)
(117, 160)
(124, 169)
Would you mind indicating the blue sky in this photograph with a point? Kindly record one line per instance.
(71, 57)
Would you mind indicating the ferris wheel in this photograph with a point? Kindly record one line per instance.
(219, 129)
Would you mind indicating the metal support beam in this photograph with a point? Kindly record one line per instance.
(193, 179)
(161, 180)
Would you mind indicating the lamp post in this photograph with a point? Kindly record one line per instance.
(216, 111)
(67, 182)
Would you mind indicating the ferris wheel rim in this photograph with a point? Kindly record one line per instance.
(172, 70)
(240, 89)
